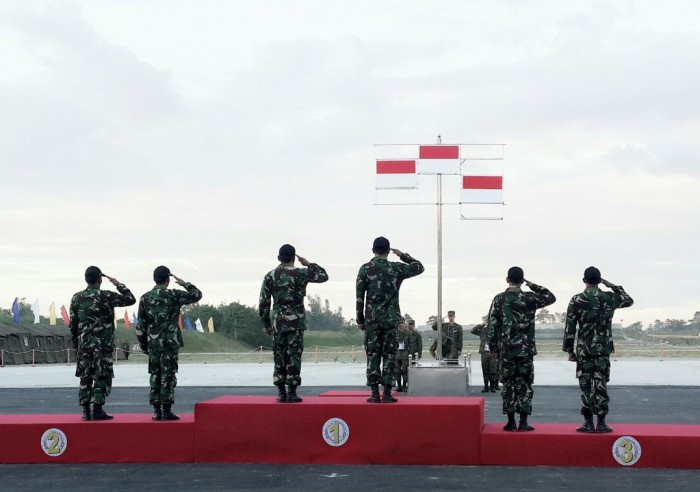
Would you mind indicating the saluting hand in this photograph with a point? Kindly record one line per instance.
(396, 251)
(114, 281)
(178, 280)
(302, 260)
(528, 283)
(609, 285)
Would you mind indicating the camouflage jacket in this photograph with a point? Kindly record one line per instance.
(591, 312)
(482, 332)
(403, 341)
(380, 280)
(415, 343)
(286, 285)
(453, 331)
(159, 309)
(92, 317)
(511, 322)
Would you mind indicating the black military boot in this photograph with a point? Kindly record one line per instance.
(157, 413)
(292, 395)
(493, 387)
(523, 426)
(99, 414)
(602, 427)
(386, 397)
(374, 397)
(588, 421)
(87, 414)
(281, 394)
(168, 414)
(486, 386)
(399, 387)
(510, 425)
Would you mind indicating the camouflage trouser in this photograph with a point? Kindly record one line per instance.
(449, 349)
(402, 369)
(162, 366)
(95, 370)
(287, 348)
(517, 376)
(489, 367)
(593, 375)
(380, 345)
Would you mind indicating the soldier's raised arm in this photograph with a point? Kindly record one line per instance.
(317, 274)
(413, 267)
(121, 299)
(190, 295)
(543, 296)
(621, 298)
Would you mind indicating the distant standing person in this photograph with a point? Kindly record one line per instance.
(489, 362)
(511, 336)
(92, 334)
(378, 313)
(415, 341)
(589, 321)
(286, 285)
(160, 338)
(402, 353)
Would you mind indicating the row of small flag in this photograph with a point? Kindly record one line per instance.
(35, 311)
(127, 321)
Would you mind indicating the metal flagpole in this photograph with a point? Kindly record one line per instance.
(438, 350)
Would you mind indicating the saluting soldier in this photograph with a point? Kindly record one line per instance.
(511, 336)
(160, 338)
(286, 285)
(92, 334)
(589, 321)
(378, 313)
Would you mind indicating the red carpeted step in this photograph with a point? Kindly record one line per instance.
(129, 438)
(417, 430)
(652, 446)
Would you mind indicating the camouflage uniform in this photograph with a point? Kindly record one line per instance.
(589, 316)
(511, 335)
(286, 284)
(92, 334)
(402, 353)
(489, 362)
(415, 344)
(379, 282)
(158, 334)
(449, 345)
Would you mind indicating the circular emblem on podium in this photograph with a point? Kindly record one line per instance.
(335, 432)
(627, 451)
(54, 442)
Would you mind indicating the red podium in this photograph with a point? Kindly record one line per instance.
(67, 439)
(340, 430)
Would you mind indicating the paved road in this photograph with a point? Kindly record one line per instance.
(554, 404)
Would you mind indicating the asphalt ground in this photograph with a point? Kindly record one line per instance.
(552, 404)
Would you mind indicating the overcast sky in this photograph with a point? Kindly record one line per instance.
(204, 135)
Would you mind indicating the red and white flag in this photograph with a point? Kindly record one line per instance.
(393, 174)
(438, 159)
(482, 189)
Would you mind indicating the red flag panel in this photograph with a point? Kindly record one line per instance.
(64, 315)
(439, 152)
(482, 182)
(396, 167)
